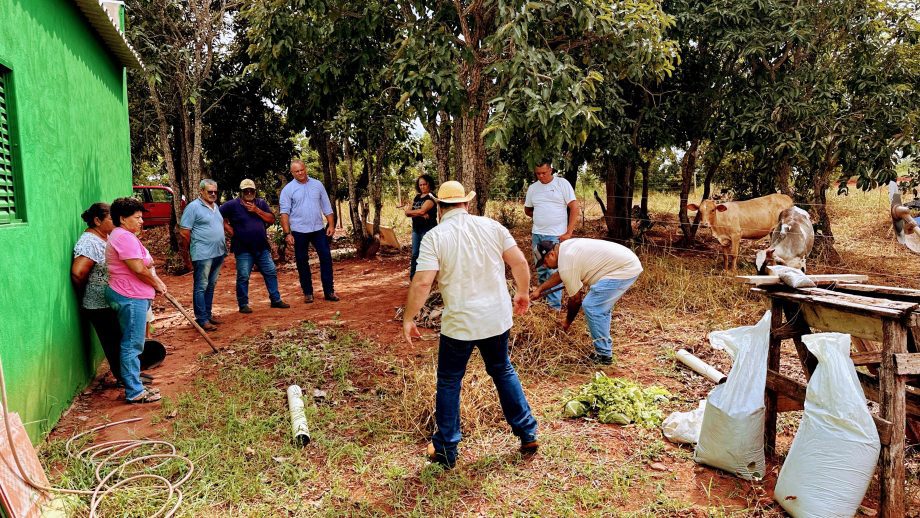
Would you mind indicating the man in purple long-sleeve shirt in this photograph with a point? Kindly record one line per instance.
(305, 211)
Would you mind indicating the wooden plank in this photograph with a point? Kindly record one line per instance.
(792, 396)
(866, 358)
(771, 396)
(849, 303)
(907, 363)
(893, 408)
(821, 280)
(870, 387)
(889, 292)
(836, 320)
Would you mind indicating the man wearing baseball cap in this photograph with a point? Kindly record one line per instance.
(245, 219)
(467, 255)
(605, 269)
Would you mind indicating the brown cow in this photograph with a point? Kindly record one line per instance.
(733, 221)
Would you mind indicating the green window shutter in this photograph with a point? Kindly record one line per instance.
(7, 191)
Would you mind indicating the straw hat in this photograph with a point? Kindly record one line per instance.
(453, 192)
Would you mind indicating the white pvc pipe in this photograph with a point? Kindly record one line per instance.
(700, 367)
(299, 428)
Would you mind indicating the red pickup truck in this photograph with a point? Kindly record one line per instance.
(157, 200)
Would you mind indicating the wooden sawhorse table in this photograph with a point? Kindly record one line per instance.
(881, 314)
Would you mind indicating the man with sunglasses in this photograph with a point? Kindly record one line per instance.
(202, 231)
(245, 219)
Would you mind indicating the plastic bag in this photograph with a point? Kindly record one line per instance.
(792, 277)
(684, 427)
(835, 451)
(731, 437)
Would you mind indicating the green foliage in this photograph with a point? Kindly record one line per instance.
(618, 401)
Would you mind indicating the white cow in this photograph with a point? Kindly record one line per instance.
(790, 242)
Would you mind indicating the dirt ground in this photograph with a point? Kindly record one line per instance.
(370, 293)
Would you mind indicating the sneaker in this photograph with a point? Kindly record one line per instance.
(600, 359)
(216, 321)
(308, 299)
(437, 458)
(530, 447)
(332, 297)
(280, 304)
(245, 309)
(207, 326)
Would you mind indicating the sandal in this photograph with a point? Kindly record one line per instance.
(146, 396)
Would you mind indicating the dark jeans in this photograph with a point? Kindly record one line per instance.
(244, 262)
(453, 356)
(320, 241)
(105, 322)
(205, 277)
(416, 247)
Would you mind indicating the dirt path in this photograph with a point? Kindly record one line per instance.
(370, 292)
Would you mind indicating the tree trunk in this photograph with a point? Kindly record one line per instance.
(712, 165)
(439, 129)
(619, 211)
(686, 178)
(364, 244)
(457, 134)
(643, 209)
(474, 175)
(332, 156)
(824, 236)
(783, 177)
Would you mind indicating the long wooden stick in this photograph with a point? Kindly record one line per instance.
(188, 317)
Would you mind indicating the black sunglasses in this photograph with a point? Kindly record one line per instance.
(212, 192)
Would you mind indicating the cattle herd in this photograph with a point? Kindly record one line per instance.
(791, 233)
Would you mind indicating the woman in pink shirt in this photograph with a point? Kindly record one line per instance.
(133, 283)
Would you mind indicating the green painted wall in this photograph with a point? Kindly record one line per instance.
(70, 118)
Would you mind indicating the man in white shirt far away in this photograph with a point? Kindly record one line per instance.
(551, 202)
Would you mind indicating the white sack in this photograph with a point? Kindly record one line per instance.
(684, 427)
(836, 448)
(731, 437)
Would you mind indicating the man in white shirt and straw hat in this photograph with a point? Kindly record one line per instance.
(467, 255)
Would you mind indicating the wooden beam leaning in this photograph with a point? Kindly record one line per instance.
(791, 389)
(866, 358)
(893, 402)
(771, 396)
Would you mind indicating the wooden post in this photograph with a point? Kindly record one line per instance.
(892, 401)
(773, 356)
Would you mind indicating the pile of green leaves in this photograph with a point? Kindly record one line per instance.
(618, 401)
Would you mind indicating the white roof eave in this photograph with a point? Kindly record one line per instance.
(107, 29)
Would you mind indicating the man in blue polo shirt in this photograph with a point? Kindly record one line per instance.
(202, 230)
(307, 218)
(245, 219)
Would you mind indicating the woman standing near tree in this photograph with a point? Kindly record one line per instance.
(424, 214)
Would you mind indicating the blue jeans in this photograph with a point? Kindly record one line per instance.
(244, 262)
(416, 247)
(553, 299)
(320, 241)
(206, 272)
(132, 318)
(453, 356)
(598, 307)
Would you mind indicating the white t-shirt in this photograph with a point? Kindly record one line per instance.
(586, 261)
(466, 251)
(550, 203)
